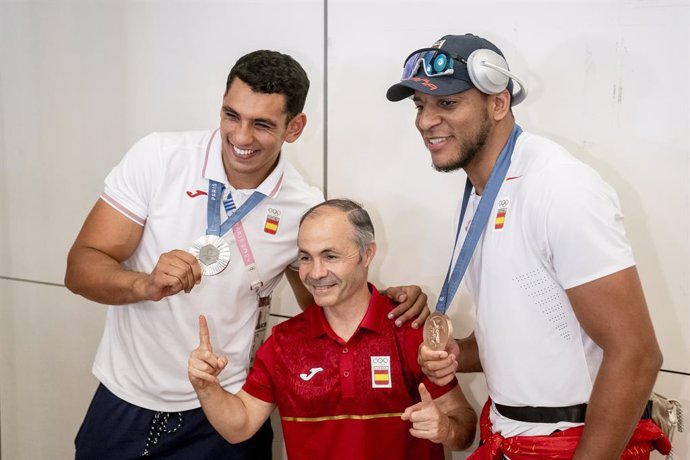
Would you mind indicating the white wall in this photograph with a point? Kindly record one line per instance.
(596, 72)
(80, 81)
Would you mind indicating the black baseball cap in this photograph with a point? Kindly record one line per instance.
(445, 85)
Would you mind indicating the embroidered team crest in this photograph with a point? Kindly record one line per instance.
(272, 221)
(500, 220)
(381, 372)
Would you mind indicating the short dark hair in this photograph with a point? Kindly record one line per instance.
(362, 228)
(267, 71)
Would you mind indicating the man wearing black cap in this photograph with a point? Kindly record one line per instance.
(562, 329)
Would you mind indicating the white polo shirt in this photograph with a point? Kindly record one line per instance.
(555, 225)
(162, 184)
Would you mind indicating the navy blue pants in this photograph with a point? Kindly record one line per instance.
(116, 429)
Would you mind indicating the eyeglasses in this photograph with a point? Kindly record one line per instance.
(435, 62)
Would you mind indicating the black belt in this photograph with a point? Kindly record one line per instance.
(572, 414)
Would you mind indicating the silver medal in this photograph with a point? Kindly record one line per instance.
(212, 252)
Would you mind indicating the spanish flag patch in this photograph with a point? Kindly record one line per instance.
(271, 225)
(380, 372)
(500, 219)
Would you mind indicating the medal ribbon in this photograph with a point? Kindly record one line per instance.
(481, 217)
(215, 191)
(234, 221)
(243, 245)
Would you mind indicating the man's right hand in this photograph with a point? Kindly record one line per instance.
(174, 272)
(95, 266)
(204, 365)
(439, 365)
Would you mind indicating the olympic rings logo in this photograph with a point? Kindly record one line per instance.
(380, 359)
(274, 211)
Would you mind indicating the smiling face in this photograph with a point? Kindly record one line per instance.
(331, 265)
(253, 128)
(454, 128)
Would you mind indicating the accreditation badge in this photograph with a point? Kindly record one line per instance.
(264, 311)
(381, 372)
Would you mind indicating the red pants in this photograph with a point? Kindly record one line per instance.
(561, 445)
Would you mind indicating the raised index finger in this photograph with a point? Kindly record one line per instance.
(204, 336)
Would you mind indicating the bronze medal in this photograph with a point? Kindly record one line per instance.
(437, 331)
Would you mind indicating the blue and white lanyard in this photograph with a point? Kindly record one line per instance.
(234, 222)
(481, 217)
(215, 192)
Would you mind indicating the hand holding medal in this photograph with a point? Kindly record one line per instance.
(212, 251)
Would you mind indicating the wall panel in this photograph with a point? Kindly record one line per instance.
(48, 339)
(80, 82)
(595, 72)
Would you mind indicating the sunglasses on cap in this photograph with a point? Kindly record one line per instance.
(435, 62)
